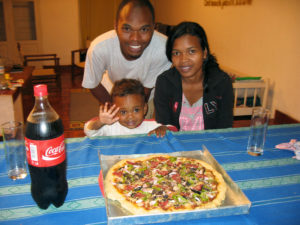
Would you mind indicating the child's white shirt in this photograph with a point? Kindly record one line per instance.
(118, 129)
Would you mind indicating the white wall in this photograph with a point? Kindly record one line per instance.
(256, 40)
(59, 26)
(261, 39)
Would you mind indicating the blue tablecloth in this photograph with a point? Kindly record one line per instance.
(271, 182)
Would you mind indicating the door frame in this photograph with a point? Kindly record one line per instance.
(8, 49)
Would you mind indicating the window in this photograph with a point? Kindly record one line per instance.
(24, 20)
(18, 26)
(2, 23)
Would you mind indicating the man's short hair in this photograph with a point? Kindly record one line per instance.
(126, 87)
(139, 3)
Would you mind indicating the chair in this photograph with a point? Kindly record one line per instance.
(44, 73)
(78, 61)
(249, 95)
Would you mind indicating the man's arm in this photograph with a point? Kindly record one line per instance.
(147, 93)
(101, 94)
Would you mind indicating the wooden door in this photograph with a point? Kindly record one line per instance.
(18, 24)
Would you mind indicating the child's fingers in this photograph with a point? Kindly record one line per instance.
(159, 133)
(105, 107)
(151, 132)
(115, 119)
(111, 109)
(101, 108)
(162, 133)
(115, 111)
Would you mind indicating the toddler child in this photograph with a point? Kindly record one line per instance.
(127, 114)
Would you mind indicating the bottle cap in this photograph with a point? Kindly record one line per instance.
(40, 90)
(7, 76)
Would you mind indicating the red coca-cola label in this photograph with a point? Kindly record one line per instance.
(45, 153)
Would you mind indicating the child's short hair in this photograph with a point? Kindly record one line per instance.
(126, 87)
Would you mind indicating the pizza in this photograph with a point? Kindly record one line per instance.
(163, 183)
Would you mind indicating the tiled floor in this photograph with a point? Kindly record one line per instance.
(60, 100)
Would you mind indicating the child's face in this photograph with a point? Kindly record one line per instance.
(132, 110)
(188, 56)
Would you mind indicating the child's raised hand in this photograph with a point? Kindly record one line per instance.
(107, 115)
(159, 131)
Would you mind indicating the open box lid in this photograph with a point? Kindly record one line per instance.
(235, 202)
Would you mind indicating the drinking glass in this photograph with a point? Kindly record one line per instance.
(14, 146)
(258, 131)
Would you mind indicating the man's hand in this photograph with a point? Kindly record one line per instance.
(107, 115)
(159, 131)
(101, 94)
(147, 93)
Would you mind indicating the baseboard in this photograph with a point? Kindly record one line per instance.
(242, 117)
(282, 118)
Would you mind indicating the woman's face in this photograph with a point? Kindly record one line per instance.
(188, 56)
(132, 110)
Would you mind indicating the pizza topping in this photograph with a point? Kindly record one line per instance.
(129, 187)
(164, 204)
(118, 173)
(166, 182)
(154, 164)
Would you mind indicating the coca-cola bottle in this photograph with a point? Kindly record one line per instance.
(45, 149)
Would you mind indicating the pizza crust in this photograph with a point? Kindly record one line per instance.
(113, 194)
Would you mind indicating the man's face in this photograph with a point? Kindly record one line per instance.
(135, 29)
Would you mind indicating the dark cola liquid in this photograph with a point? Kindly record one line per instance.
(48, 184)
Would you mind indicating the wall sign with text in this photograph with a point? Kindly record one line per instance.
(223, 3)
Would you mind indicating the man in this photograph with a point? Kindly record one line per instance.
(133, 50)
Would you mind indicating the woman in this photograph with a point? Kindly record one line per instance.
(195, 94)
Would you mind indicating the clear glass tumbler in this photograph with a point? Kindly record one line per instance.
(14, 146)
(258, 131)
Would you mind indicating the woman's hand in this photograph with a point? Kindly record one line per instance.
(159, 131)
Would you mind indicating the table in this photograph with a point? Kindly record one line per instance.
(271, 182)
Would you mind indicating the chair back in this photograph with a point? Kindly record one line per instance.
(42, 59)
(78, 57)
(249, 95)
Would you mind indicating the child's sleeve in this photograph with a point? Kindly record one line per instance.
(172, 128)
(91, 133)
